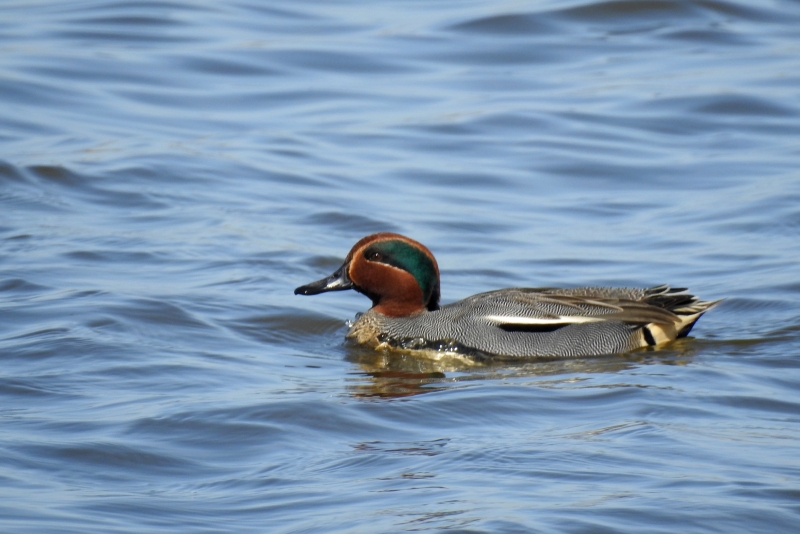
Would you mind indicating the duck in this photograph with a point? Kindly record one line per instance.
(401, 278)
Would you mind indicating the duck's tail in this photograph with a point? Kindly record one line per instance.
(686, 307)
(691, 313)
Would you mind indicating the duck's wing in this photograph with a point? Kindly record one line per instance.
(550, 307)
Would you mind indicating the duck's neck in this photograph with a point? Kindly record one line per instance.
(395, 308)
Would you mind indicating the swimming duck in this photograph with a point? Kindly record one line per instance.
(401, 277)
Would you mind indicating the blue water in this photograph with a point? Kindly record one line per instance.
(171, 171)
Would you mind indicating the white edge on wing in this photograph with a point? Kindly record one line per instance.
(566, 319)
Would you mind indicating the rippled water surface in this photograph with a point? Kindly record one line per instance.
(171, 171)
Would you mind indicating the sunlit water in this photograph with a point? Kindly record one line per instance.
(171, 171)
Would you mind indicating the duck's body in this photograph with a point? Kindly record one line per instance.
(526, 322)
(402, 279)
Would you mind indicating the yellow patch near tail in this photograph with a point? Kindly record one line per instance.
(658, 334)
(654, 334)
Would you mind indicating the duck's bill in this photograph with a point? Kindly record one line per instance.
(338, 281)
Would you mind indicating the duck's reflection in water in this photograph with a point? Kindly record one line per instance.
(395, 374)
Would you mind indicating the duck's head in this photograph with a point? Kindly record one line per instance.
(399, 275)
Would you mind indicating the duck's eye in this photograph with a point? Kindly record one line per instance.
(374, 256)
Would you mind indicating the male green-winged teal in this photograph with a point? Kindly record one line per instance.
(401, 278)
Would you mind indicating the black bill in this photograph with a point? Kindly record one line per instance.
(338, 281)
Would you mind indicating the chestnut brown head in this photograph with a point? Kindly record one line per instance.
(398, 274)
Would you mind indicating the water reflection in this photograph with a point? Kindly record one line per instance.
(390, 374)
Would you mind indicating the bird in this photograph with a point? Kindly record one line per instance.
(401, 278)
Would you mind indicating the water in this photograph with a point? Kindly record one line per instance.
(171, 171)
